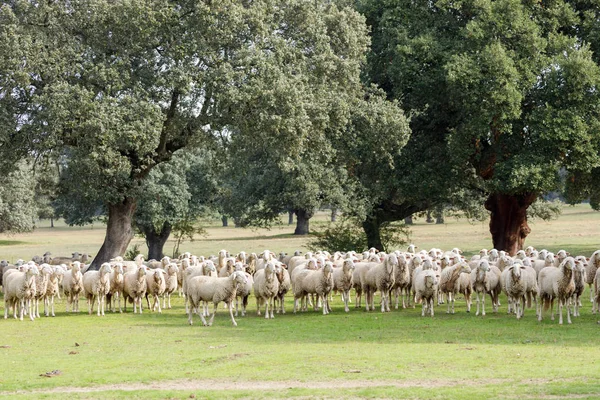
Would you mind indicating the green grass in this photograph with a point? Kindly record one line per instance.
(353, 355)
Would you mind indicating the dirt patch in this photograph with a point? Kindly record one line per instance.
(216, 385)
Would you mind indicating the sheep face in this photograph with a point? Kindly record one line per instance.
(239, 278)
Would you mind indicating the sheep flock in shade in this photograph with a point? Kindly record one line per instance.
(531, 279)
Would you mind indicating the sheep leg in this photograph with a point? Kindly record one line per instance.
(212, 317)
(295, 304)
(346, 298)
(477, 300)
(560, 312)
(448, 305)
(267, 301)
(258, 306)
(431, 307)
(231, 313)
(245, 303)
(591, 294)
(272, 306)
(568, 313)
(552, 309)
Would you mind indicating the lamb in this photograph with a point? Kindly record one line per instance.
(380, 278)
(215, 289)
(486, 279)
(343, 281)
(116, 287)
(96, 284)
(171, 283)
(266, 287)
(426, 289)
(285, 284)
(557, 283)
(401, 286)
(134, 288)
(19, 290)
(592, 266)
(155, 287)
(448, 280)
(72, 286)
(319, 282)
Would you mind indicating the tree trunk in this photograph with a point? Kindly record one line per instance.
(118, 232)
(371, 226)
(156, 240)
(334, 212)
(302, 218)
(439, 219)
(290, 217)
(51, 222)
(429, 217)
(508, 220)
(408, 220)
(224, 221)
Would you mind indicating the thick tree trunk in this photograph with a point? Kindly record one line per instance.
(302, 218)
(439, 219)
(156, 240)
(334, 212)
(508, 220)
(372, 226)
(51, 222)
(224, 221)
(118, 232)
(290, 217)
(408, 220)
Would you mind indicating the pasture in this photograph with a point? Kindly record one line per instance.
(307, 355)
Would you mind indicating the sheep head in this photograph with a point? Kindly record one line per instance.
(239, 278)
(348, 266)
(429, 281)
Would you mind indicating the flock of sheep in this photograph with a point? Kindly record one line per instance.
(428, 278)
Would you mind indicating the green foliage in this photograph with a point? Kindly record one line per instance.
(17, 200)
(132, 252)
(347, 234)
(545, 210)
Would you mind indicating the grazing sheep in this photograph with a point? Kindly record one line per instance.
(134, 288)
(557, 283)
(343, 280)
(19, 290)
(285, 284)
(592, 266)
(319, 282)
(426, 283)
(116, 287)
(486, 280)
(448, 280)
(215, 289)
(266, 287)
(155, 287)
(96, 284)
(72, 286)
(171, 283)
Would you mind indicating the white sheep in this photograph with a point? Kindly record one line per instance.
(486, 280)
(19, 290)
(343, 280)
(41, 285)
(266, 287)
(96, 285)
(134, 288)
(401, 286)
(319, 282)
(155, 287)
(579, 278)
(215, 289)
(593, 265)
(72, 286)
(425, 283)
(243, 291)
(116, 287)
(448, 279)
(557, 283)
(548, 261)
(285, 284)
(380, 278)
(52, 289)
(171, 283)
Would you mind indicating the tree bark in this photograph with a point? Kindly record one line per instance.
(118, 232)
(51, 222)
(334, 212)
(408, 220)
(429, 219)
(508, 220)
(224, 221)
(439, 219)
(302, 221)
(371, 225)
(290, 217)
(156, 240)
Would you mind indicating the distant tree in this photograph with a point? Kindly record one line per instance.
(17, 200)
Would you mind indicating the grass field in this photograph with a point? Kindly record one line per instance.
(308, 355)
